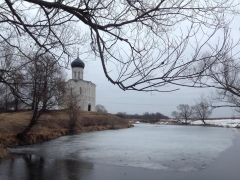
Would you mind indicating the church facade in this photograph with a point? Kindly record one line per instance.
(85, 91)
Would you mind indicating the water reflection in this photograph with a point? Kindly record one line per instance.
(34, 167)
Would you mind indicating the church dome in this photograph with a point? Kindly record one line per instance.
(78, 63)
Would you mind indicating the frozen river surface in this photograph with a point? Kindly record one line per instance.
(143, 152)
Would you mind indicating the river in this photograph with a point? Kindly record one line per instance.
(144, 152)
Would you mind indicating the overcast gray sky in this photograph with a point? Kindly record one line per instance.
(116, 100)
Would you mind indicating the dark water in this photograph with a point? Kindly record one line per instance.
(143, 152)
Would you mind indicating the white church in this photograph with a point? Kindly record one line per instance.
(85, 91)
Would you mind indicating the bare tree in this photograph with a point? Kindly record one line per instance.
(176, 115)
(184, 112)
(42, 81)
(122, 115)
(72, 109)
(227, 82)
(7, 99)
(69, 101)
(10, 76)
(223, 74)
(202, 109)
(152, 117)
(42, 78)
(146, 40)
(101, 108)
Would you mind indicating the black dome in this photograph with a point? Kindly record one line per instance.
(78, 63)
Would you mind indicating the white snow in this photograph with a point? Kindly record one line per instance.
(222, 123)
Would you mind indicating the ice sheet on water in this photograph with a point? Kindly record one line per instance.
(172, 148)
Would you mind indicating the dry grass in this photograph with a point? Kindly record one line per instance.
(51, 125)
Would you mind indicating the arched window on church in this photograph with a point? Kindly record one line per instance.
(75, 76)
(78, 75)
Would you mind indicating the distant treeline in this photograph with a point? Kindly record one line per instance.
(145, 117)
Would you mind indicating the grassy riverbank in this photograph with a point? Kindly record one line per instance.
(51, 125)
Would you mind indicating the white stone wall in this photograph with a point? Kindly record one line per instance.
(85, 92)
(77, 73)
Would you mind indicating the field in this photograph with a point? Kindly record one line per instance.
(52, 124)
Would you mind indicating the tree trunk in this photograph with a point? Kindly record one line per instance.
(34, 98)
(35, 117)
(6, 104)
(16, 104)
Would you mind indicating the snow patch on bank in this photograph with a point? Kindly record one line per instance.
(235, 123)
